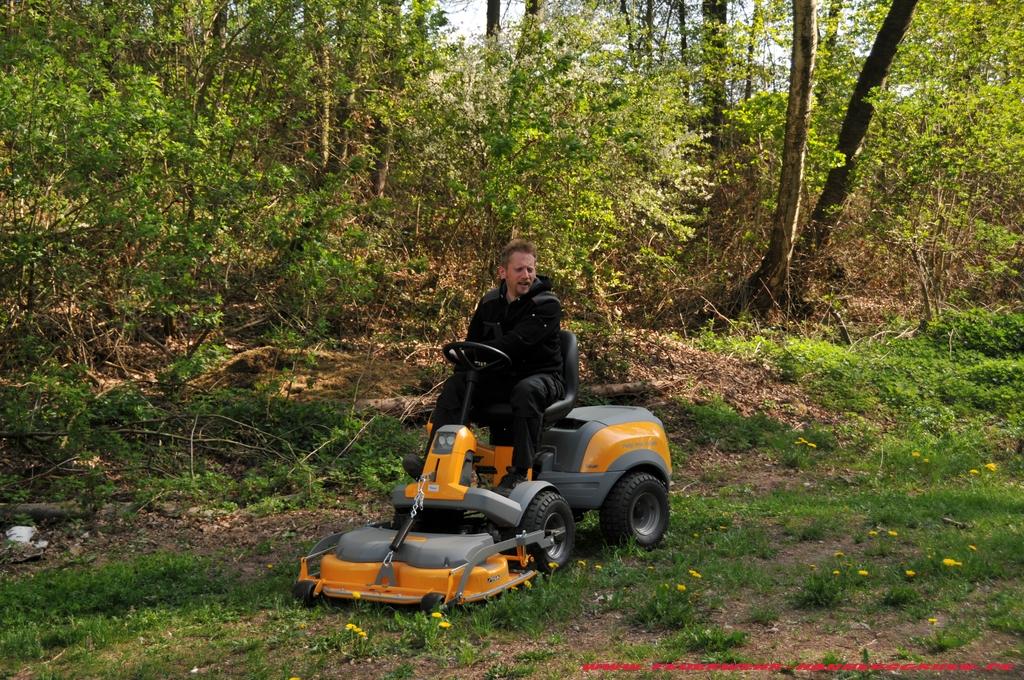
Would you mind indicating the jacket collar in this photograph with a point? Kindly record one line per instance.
(540, 285)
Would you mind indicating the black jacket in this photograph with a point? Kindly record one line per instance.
(525, 329)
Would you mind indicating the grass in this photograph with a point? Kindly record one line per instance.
(879, 519)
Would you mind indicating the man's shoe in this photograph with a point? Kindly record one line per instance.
(511, 479)
(413, 465)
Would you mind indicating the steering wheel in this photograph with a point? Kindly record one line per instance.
(475, 356)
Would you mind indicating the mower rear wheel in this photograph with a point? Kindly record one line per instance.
(550, 513)
(637, 508)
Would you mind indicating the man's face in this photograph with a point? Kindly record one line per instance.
(518, 274)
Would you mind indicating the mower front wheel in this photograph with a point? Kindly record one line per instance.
(550, 513)
(303, 592)
(637, 508)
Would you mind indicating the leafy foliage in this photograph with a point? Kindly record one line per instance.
(110, 443)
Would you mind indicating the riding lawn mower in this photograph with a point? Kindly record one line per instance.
(454, 539)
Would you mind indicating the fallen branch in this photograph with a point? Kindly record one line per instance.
(410, 405)
(628, 388)
(42, 511)
(425, 402)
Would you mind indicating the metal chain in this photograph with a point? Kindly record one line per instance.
(417, 502)
(417, 505)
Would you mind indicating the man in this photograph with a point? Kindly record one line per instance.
(521, 317)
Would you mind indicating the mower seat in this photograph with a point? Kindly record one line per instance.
(501, 414)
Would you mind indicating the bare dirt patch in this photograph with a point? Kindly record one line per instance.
(697, 375)
(317, 374)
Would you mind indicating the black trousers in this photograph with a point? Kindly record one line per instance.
(528, 397)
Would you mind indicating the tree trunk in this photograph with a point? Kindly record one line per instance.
(755, 20)
(624, 10)
(683, 42)
(382, 163)
(769, 284)
(649, 29)
(214, 57)
(859, 112)
(715, 14)
(327, 107)
(493, 17)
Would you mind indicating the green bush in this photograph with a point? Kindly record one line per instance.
(230, 447)
(991, 333)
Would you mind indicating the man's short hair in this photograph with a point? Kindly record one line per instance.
(517, 245)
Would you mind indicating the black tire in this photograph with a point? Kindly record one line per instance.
(303, 592)
(549, 512)
(636, 508)
(431, 601)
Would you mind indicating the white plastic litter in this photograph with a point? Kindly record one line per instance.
(21, 534)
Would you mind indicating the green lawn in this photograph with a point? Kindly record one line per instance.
(895, 532)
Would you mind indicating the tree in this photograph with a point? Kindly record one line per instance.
(715, 15)
(493, 17)
(769, 284)
(859, 113)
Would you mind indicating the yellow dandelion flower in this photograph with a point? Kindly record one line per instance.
(949, 562)
(872, 533)
(862, 572)
(893, 533)
(302, 626)
(356, 595)
(444, 624)
(927, 460)
(437, 615)
(514, 588)
(598, 567)
(528, 585)
(812, 445)
(582, 563)
(991, 467)
(910, 573)
(552, 565)
(270, 566)
(813, 566)
(915, 454)
(696, 535)
(681, 587)
(835, 572)
(974, 471)
(933, 621)
(695, 574)
(350, 626)
(295, 677)
(973, 548)
(362, 634)
(650, 568)
(839, 553)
